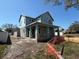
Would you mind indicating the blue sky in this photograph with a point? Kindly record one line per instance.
(10, 10)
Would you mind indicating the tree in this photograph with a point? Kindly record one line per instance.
(9, 28)
(73, 28)
(67, 3)
(4, 26)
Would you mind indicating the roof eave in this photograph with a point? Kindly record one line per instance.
(20, 18)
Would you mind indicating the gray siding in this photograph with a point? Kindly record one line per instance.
(29, 20)
(24, 21)
(46, 18)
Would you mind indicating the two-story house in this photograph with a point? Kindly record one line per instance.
(41, 28)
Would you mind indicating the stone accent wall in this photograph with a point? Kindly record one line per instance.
(44, 35)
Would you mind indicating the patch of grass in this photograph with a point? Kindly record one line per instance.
(2, 48)
(71, 51)
(41, 55)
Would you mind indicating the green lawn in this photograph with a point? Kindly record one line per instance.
(2, 48)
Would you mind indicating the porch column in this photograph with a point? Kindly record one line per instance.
(48, 32)
(30, 32)
(37, 32)
(27, 32)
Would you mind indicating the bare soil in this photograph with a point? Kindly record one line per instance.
(29, 49)
(23, 49)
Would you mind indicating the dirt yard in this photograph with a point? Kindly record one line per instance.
(27, 49)
(23, 49)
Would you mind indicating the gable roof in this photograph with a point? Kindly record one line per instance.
(25, 16)
(38, 16)
(44, 14)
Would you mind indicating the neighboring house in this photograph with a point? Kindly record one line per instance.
(41, 28)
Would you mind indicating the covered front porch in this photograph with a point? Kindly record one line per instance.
(41, 32)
